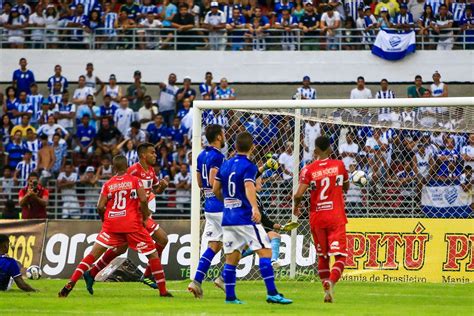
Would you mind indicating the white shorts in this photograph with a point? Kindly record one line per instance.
(237, 237)
(213, 228)
(152, 205)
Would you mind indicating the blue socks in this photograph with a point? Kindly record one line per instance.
(247, 252)
(229, 275)
(204, 264)
(268, 277)
(275, 248)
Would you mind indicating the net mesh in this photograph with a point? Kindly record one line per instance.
(408, 154)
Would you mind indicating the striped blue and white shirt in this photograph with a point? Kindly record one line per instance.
(109, 23)
(55, 99)
(403, 19)
(219, 119)
(435, 4)
(458, 10)
(36, 101)
(89, 5)
(389, 94)
(33, 146)
(53, 79)
(352, 7)
(206, 89)
(22, 107)
(24, 169)
(307, 93)
(132, 157)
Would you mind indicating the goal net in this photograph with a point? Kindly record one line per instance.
(405, 146)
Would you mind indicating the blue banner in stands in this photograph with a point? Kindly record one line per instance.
(394, 45)
(444, 200)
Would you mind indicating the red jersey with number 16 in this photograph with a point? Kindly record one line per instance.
(148, 177)
(325, 179)
(122, 211)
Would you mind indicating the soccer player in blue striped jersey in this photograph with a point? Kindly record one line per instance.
(208, 163)
(235, 185)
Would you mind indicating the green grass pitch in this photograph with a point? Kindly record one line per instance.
(136, 299)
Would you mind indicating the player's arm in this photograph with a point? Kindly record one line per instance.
(22, 285)
(298, 197)
(199, 179)
(143, 203)
(251, 193)
(345, 182)
(217, 189)
(101, 206)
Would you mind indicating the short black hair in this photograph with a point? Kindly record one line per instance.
(208, 73)
(244, 142)
(33, 174)
(143, 147)
(360, 78)
(135, 124)
(418, 77)
(183, 5)
(384, 80)
(43, 137)
(212, 131)
(120, 163)
(323, 143)
(467, 168)
(4, 239)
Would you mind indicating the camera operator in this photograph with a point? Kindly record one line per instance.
(33, 198)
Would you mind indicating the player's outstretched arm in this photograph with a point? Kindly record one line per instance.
(101, 206)
(298, 197)
(22, 285)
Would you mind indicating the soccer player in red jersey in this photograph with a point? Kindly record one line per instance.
(123, 209)
(143, 170)
(327, 181)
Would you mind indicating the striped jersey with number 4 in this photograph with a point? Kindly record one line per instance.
(122, 211)
(325, 179)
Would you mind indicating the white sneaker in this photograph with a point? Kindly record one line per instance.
(276, 264)
(219, 282)
(195, 288)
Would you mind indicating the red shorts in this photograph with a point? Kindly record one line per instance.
(140, 241)
(329, 241)
(151, 226)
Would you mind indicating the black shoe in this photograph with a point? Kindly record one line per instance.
(167, 294)
(66, 290)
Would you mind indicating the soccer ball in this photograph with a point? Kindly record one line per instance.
(33, 272)
(359, 178)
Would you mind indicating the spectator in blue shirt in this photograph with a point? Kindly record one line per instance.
(404, 19)
(178, 134)
(467, 25)
(79, 21)
(170, 10)
(107, 110)
(283, 5)
(23, 78)
(57, 77)
(157, 132)
(186, 92)
(85, 135)
(257, 29)
(185, 110)
(131, 9)
(207, 87)
(10, 269)
(235, 26)
(14, 151)
(449, 159)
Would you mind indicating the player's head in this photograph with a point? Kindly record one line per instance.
(120, 164)
(215, 135)
(323, 147)
(244, 142)
(146, 153)
(4, 242)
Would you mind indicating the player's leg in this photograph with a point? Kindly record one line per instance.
(337, 248)
(213, 234)
(84, 265)
(260, 243)
(143, 243)
(233, 246)
(105, 259)
(275, 241)
(161, 240)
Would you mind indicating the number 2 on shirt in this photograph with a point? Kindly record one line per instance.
(325, 183)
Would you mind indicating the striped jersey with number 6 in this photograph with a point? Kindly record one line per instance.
(325, 179)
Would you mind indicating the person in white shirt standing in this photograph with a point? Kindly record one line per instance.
(37, 20)
(360, 92)
(167, 101)
(287, 161)
(113, 89)
(215, 22)
(384, 93)
(312, 130)
(92, 81)
(80, 94)
(330, 23)
(348, 151)
(67, 183)
(124, 116)
(439, 89)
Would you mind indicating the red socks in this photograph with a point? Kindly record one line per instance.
(84, 266)
(106, 258)
(158, 273)
(323, 268)
(337, 268)
(159, 249)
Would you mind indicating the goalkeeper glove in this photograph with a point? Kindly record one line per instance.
(271, 164)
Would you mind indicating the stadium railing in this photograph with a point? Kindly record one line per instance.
(198, 38)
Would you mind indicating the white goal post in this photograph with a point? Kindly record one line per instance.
(297, 108)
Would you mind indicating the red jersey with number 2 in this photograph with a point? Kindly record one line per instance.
(122, 211)
(325, 179)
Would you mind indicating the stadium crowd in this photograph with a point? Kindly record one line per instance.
(66, 136)
(229, 24)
